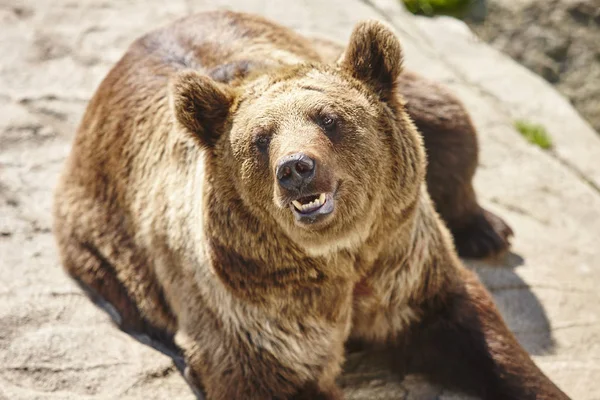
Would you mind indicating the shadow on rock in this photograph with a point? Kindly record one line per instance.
(520, 307)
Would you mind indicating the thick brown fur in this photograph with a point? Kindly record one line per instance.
(170, 211)
(452, 153)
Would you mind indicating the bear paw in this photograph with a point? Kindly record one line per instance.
(486, 235)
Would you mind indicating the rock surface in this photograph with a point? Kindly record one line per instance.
(557, 39)
(54, 344)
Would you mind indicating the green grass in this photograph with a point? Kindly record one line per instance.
(436, 7)
(534, 134)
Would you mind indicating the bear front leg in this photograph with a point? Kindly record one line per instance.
(260, 365)
(463, 343)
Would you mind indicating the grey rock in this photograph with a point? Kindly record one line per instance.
(557, 39)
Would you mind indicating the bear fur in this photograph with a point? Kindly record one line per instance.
(174, 213)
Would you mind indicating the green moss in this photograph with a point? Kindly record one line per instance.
(534, 133)
(436, 7)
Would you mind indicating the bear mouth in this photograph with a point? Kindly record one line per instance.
(312, 208)
(308, 204)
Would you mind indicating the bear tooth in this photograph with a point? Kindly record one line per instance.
(318, 202)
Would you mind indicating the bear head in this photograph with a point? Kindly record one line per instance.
(323, 152)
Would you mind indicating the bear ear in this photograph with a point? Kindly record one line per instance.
(201, 105)
(374, 56)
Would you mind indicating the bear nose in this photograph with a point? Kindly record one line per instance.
(295, 171)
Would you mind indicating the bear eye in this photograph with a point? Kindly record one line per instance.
(327, 122)
(262, 141)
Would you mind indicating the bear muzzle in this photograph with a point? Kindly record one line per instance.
(306, 187)
(295, 171)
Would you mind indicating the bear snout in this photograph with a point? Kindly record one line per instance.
(306, 186)
(295, 171)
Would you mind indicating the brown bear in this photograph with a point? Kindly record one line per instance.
(236, 196)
